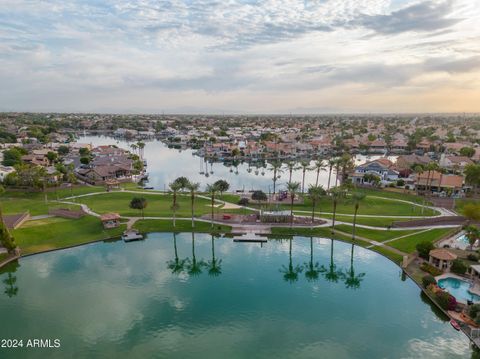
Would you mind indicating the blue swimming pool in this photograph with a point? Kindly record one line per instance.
(458, 288)
(463, 239)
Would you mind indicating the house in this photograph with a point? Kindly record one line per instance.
(110, 220)
(441, 258)
(102, 173)
(5, 171)
(39, 160)
(405, 163)
(399, 145)
(457, 163)
(377, 145)
(439, 182)
(381, 167)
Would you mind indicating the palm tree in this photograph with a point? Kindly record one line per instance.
(431, 167)
(140, 146)
(6, 239)
(175, 187)
(346, 165)
(315, 193)
(357, 198)
(292, 188)
(290, 273)
(276, 167)
(318, 166)
(194, 267)
(212, 191)
(312, 269)
(418, 170)
(336, 194)
(353, 280)
(291, 166)
(177, 265)
(214, 265)
(193, 188)
(331, 164)
(11, 289)
(134, 147)
(304, 165)
(472, 233)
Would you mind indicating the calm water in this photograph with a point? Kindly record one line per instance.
(166, 164)
(136, 301)
(458, 288)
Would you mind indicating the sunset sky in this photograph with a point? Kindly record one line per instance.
(278, 56)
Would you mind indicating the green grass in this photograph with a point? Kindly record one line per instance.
(460, 203)
(155, 225)
(394, 194)
(3, 256)
(374, 234)
(157, 206)
(60, 234)
(397, 258)
(369, 206)
(408, 244)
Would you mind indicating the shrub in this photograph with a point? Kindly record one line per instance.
(424, 248)
(400, 183)
(458, 267)
(259, 196)
(430, 269)
(427, 280)
(472, 257)
(243, 201)
(445, 300)
(474, 312)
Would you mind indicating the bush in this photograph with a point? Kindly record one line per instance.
(424, 248)
(445, 300)
(472, 257)
(474, 312)
(243, 201)
(400, 183)
(259, 196)
(430, 269)
(427, 280)
(458, 267)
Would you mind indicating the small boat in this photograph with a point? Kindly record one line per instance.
(454, 324)
(131, 235)
(148, 187)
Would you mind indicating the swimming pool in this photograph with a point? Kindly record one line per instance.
(458, 288)
(463, 240)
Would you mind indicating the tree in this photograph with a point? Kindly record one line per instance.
(141, 147)
(428, 279)
(292, 188)
(259, 196)
(357, 198)
(317, 167)
(418, 170)
(175, 187)
(222, 186)
(467, 151)
(276, 167)
(291, 166)
(182, 182)
(6, 239)
(52, 156)
(471, 211)
(315, 193)
(304, 165)
(335, 193)
(84, 160)
(139, 203)
(424, 248)
(63, 150)
(458, 266)
(473, 234)
(193, 188)
(331, 164)
(12, 157)
(212, 191)
(472, 176)
(84, 152)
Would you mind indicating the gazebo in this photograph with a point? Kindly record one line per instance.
(441, 258)
(110, 220)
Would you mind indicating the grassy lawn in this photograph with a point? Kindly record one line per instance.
(155, 225)
(397, 258)
(460, 203)
(408, 244)
(316, 232)
(393, 193)
(370, 206)
(53, 234)
(374, 234)
(158, 205)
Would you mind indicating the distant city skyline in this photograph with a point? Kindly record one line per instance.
(245, 57)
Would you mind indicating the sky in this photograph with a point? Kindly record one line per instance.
(232, 56)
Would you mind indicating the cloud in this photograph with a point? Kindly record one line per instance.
(425, 16)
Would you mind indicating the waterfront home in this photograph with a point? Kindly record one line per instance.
(101, 173)
(399, 145)
(405, 163)
(382, 167)
(438, 182)
(5, 171)
(441, 258)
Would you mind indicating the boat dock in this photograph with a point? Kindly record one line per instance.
(250, 237)
(131, 235)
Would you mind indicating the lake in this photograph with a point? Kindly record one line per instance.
(193, 296)
(166, 164)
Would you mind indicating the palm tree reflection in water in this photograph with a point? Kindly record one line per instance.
(312, 270)
(214, 265)
(177, 265)
(290, 273)
(353, 280)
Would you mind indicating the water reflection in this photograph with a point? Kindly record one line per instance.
(290, 273)
(312, 269)
(176, 265)
(214, 265)
(352, 280)
(10, 281)
(194, 266)
(332, 274)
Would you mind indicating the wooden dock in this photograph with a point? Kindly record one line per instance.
(250, 237)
